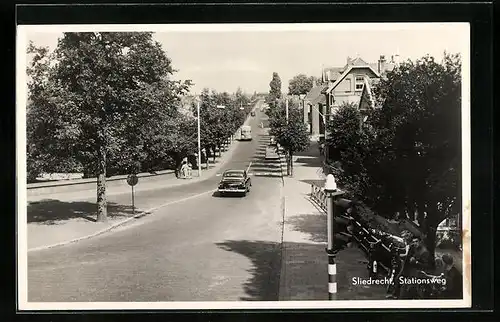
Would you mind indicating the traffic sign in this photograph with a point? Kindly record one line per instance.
(132, 180)
(221, 106)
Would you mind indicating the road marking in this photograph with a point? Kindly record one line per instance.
(139, 215)
(249, 166)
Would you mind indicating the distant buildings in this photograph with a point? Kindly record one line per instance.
(351, 83)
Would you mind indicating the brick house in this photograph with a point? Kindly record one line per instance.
(351, 83)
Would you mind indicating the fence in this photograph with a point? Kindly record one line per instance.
(318, 195)
(370, 241)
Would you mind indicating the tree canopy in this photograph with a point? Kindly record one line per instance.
(275, 89)
(291, 134)
(300, 84)
(406, 158)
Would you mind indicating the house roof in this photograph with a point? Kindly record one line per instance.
(336, 74)
(357, 62)
(332, 73)
(367, 95)
(316, 95)
(346, 72)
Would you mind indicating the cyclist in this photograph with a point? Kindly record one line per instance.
(453, 289)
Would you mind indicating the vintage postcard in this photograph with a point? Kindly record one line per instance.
(243, 166)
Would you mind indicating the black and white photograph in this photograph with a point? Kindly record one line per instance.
(243, 166)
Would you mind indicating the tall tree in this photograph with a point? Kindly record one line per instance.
(109, 91)
(290, 133)
(300, 84)
(275, 90)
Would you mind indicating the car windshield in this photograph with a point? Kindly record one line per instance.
(233, 174)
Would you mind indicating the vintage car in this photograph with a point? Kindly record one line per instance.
(252, 113)
(234, 181)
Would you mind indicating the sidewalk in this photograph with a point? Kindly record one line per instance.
(304, 272)
(41, 235)
(120, 186)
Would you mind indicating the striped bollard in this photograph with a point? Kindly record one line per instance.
(332, 276)
(331, 192)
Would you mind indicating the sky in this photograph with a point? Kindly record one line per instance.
(225, 57)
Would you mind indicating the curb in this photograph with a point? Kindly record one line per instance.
(90, 180)
(143, 213)
(120, 223)
(282, 274)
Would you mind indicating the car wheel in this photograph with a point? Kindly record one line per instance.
(244, 194)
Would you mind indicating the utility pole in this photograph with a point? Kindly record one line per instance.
(199, 137)
(286, 107)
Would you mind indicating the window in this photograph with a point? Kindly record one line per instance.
(234, 174)
(359, 83)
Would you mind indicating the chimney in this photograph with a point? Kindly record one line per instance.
(349, 60)
(381, 63)
(396, 59)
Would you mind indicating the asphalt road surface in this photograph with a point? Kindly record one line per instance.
(204, 248)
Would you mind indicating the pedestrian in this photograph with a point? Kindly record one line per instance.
(453, 288)
(419, 259)
(183, 171)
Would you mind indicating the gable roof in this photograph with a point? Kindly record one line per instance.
(367, 98)
(315, 95)
(332, 73)
(357, 62)
(345, 73)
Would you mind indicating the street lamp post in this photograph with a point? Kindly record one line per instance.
(199, 137)
(332, 193)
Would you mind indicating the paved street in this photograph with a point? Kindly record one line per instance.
(203, 249)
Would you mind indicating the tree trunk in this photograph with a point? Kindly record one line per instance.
(102, 210)
(430, 229)
(291, 164)
(207, 149)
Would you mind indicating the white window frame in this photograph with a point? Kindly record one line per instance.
(357, 82)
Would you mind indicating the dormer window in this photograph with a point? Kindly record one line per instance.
(359, 83)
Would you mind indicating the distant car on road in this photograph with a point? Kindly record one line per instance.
(245, 133)
(252, 113)
(234, 181)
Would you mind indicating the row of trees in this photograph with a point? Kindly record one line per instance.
(106, 103)
(221, 115)
(406, 158)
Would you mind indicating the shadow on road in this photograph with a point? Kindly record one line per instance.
(49, 211)
(266, 265)
(313, 225)
(308, 162)
(217, 194)
(306, 265)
